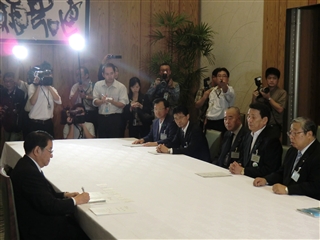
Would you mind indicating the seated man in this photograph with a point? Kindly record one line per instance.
(262, 151)
(42, 212)
(300, 172)
(233, 138)
(189, 140)
(77, 127)
(163, 128)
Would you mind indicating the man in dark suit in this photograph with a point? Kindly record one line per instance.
(163, 127)
(41, 211)
(233, 138)
(189, 140)
(262, 151)
(300, 172)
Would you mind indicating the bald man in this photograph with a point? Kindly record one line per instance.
(231, 146)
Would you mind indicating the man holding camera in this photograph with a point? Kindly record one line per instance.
(12, 102)
(274, 97)
(202, 97)
(77, 127)
(110, 96)
(81, 92)
(165, 87)
(220, 98)
(42, 96)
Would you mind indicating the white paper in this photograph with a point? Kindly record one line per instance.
(214, 174)
(110, 210)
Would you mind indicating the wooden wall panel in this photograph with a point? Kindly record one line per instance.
(116, 27)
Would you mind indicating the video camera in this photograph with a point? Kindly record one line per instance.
(257, 81)
(76, 116)
(43, 72)
(206, 84)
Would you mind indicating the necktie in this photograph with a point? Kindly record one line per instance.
(228, 146)
(297, 160)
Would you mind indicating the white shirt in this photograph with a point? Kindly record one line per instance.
(76, 132)
(255, 136)
(40, 110)
(87, 103)
(117, 91)
(185, 129)
(219, 102)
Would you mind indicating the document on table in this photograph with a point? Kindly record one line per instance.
(132, 145)
(110, 210)
(314, 212)
(96, 197)
(214, 174)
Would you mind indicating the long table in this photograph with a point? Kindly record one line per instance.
(170, 201)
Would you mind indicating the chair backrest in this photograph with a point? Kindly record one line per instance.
(318, 133)
(213, 138)
(8, 207)
(284, 151)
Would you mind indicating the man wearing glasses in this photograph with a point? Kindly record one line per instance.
(300, 172)
(220, 98)
(163, 127)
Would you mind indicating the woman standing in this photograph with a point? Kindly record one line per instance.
(138, 111)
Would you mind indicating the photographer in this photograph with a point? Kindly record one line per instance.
(12, 102)
(77, 128)
(42, 96)
(274, 97)
(165, 87)
(202, 97)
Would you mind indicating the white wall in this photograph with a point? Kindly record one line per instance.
(238, 42)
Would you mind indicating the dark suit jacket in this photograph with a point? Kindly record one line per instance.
(40, 209)
(168, 127)
(236, 146)
(268, 148)
(309, 181)
(193, 144)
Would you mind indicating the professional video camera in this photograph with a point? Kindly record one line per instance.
(257, 81)
(43, 72)
(76, 116)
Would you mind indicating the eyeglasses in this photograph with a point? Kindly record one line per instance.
(293, 133)
(50, 151)
(178, 118)
(222, 76)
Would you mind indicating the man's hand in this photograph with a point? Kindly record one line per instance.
(70, 194)
(161, 148)
(279, 189)
(82, 198)
(207, 93)
(258, 182)
(69, 120)
(139, 141)
(235, 168)
(265, 95)
(255, 93)
(150, 144)
(36, 80)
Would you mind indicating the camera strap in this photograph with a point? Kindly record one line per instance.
(80, 131)
(47, 97)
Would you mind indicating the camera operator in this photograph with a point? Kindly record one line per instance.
(77, 127)
(274, 97)
(202, 97)
(81, 92)
(220, 99)
(165, 87)
(42, 97)
(12, 102)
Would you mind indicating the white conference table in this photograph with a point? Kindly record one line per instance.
(169, 199)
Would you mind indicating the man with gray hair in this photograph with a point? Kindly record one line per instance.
(300, 172)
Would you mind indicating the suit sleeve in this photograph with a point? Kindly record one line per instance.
(194, 139)
(37, 191)
(270, 160)
(149, 137)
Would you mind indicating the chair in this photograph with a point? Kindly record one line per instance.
(8, 207)
(318, 133)
(213, 138)
(284, 151)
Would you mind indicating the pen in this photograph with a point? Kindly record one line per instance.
(82, 189)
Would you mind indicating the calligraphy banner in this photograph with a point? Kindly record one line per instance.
(43, 20)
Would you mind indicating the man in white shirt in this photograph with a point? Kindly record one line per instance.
(221, 97)
(110, 96)
(42, 98)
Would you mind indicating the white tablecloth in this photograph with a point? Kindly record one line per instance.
(169, 199)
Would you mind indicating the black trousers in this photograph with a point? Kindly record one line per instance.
(43, 125)
(110, 126)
